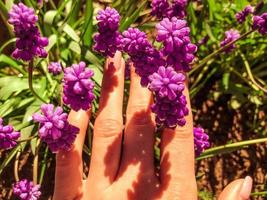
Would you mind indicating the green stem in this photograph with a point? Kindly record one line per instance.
(229, 147)
(53, 4)
(215, 53)
(35, 163)
(30, 71)
(13, 40)
(264, 193)
(250, 75)
(16, 167)
(27, 139)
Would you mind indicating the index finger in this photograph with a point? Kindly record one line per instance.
(177, 156)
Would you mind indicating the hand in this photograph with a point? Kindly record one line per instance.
(126, 171)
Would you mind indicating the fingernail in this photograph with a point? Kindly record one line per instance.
(246, 188)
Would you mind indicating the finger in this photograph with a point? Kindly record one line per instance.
(177, 156)
(69, 170)
(108, 126)
(139, 130)
(239, 189)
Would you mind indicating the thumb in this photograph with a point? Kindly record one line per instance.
(237, 190)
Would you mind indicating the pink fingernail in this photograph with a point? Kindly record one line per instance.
(246, 188)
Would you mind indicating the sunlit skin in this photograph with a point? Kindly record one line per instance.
(122, 172)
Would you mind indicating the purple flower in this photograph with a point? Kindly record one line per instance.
(29, 41)
(54, 68)
(260, 23)
(201, 140)
(78, 87)
(230, 36)
(26, 190)
(160, 8)
(178, 49)
(8, 136)
(145, 57)
(178, 9)
(167, 83)
(170, 113)
(55, 130)
(170, 103)
(242, 15)
(107, 40)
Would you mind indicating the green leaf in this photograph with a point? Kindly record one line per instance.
(52, 41)
(75, 47)
(133, 17)
(98, 75)
(88, 23)
(5, 60)
(50, 16)
(71, 33)
(93, 59)
(9, 157)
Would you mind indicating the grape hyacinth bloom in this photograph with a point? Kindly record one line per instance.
(107, 41)
(29, 42)
(160, 8)
(145, 57)
(201, 140)
(170, 103)
(167, 83)
(54, 129)
(242, 15)
(178, 9)
(178, 49)
(54, 68)
(260, 23)
(78, 87)
(26, 190)
(8, 136)
(230, 36)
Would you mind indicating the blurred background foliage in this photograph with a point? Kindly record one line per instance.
(229, 85)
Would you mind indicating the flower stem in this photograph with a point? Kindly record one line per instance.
(30, 71)
(215, 53)
(27, 139)
(229, 148)
(35, 163)
(16, 167)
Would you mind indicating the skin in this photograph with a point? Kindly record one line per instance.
(126, 171)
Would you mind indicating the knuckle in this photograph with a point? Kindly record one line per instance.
(107, 127)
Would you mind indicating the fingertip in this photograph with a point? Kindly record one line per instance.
(246, 188)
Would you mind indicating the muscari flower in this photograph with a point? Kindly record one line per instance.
(178, 49)
(170, 103)
(54, 129)
(54, 68)
(78, 87)
(242, 15)
(26, 190)
(29, 42)
(260, 23)
(167, 83)
(201, 140)
(8, 136)
(146, 59)
(160, 8)
(230, 36)
(178, 9)
(107, 41)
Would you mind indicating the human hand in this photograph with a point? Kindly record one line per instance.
(127, 171)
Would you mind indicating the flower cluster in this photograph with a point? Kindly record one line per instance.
(29, 41)
(26, 190)
(55, 68)
(260, 23)
(162, 8)
(230, 36)
(178, 49)
(170, 103)
(107, 40)
(54, 129)
(201, 140)
(78, 87)
(242, 15)
(145, 57)
(8, 136)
